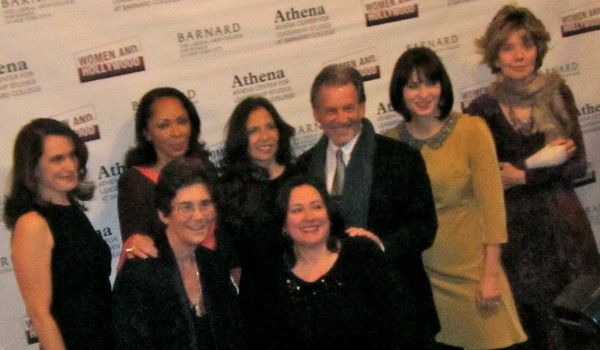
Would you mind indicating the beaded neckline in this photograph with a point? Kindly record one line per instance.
(436, 141)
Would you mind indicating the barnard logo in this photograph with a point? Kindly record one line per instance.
(565, 69)
(386, 11)
(17, 3)
(293, 14)
(582, 21)
(209, 32)
(13, 67)
(111, 60)
(438, 44)
(252, 78)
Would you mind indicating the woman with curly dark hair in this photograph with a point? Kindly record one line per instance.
(184, 298)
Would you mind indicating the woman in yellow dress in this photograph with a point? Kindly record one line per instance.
(471, 292)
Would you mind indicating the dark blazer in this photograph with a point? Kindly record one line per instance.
(151, 309)
(401, 212)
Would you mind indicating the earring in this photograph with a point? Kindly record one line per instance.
(284, 232)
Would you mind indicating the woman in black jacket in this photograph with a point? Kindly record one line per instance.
(184, 299)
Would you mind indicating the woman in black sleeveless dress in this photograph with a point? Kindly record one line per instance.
(62, 266)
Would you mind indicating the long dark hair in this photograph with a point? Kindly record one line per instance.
(236, 159)
(144, 153)
(336, 232)
(28, 149)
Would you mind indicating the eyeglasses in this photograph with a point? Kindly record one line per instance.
(187, 208)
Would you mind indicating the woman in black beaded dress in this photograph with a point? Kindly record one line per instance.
(326, 290)
(62, 266)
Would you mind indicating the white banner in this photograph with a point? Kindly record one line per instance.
(88, 62)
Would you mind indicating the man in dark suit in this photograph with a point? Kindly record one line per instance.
(384, 192)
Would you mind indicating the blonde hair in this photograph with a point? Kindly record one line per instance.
(508, 20)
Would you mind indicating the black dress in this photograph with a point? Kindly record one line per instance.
(81, 295)
(248, 208)
(349, 307)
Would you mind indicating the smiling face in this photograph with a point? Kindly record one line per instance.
(263, 137)
(168, 129)
(307, 221)
(192, 217)
(516, 57)
(339, 113)
(422, 96)
(58, 169)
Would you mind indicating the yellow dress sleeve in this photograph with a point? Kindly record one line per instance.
(487, 183)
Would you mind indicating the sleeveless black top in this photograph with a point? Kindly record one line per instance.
(81, 291)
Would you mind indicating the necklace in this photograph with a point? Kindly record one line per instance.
(185, 266)
(520, 121)
(198, 306)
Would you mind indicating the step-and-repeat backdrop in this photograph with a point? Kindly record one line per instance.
(88, 62)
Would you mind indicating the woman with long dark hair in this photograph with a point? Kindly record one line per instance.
(257, 160)
(167, 127)
(62, 266)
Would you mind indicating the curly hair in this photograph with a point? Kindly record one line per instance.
(181, 173)
(508, 20)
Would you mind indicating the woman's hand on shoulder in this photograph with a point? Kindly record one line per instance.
(361, 232)
(139, 246)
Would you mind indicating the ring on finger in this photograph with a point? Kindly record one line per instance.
(129, 250)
